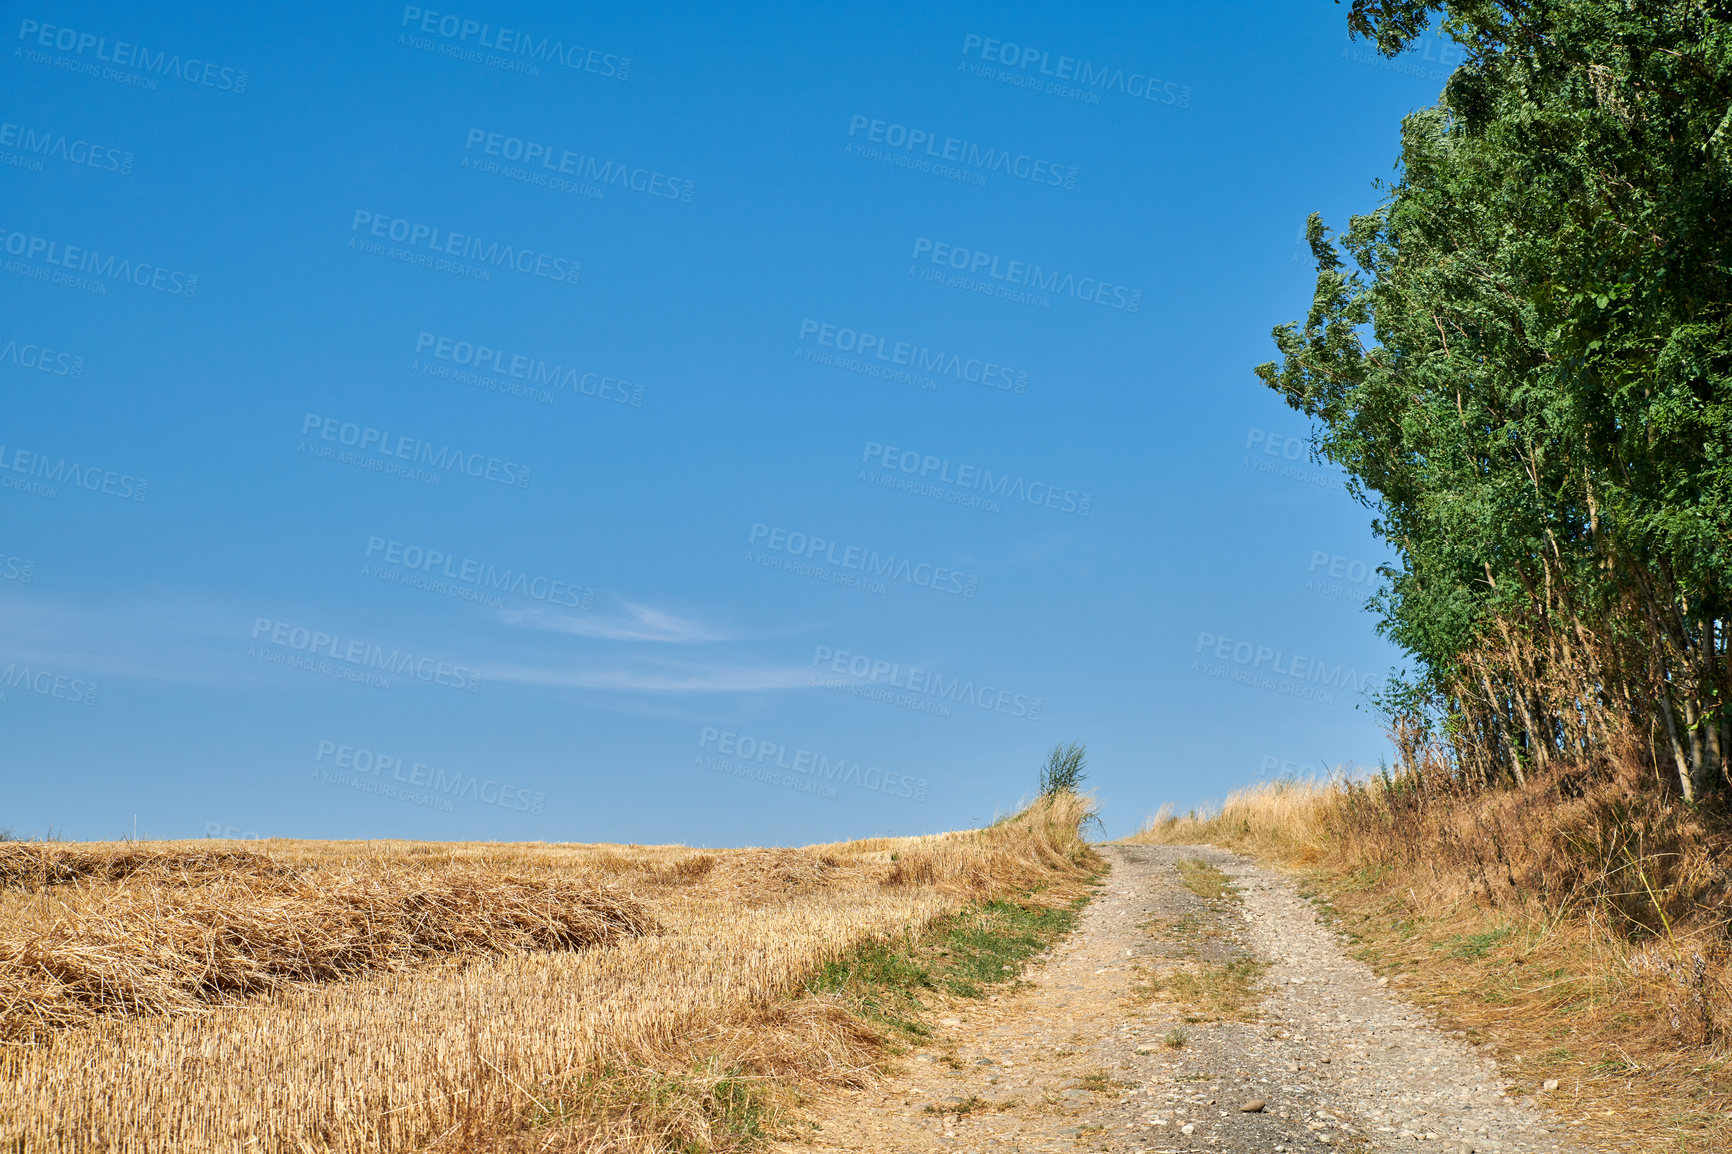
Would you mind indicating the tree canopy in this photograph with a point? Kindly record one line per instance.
(1521, 358)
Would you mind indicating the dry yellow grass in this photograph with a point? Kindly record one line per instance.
(33, 865)
(182, 939)
(652, 1042)
(1576, 928)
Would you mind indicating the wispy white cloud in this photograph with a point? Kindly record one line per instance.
(162, 639)
(633, 623)
(181, 639)
(678, 679)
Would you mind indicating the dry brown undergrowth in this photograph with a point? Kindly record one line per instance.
(696, 1036)
(1577, 930)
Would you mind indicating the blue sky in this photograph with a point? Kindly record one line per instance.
(654, 423)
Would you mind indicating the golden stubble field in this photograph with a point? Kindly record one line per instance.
(317, 996)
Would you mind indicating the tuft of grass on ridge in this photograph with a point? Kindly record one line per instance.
(1103, 1081)
(1209, 991)
(1205, 880)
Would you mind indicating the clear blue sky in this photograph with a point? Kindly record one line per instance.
(658, 423)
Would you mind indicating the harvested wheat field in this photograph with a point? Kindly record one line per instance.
(317, 996)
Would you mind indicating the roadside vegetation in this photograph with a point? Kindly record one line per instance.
(1522, 358)
(1578, 937)
(894, 983)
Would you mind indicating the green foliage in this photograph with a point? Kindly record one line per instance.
(1523, 359)
(962, 956)
(1479, 945)
(1063, 770)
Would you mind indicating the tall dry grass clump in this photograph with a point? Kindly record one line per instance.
(1606, 847)
(1039, 851)
(398, 997)
(1582, 922)
(1278, 819)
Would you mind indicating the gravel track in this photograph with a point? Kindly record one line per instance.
(1073, 1060)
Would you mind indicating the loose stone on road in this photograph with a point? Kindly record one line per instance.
(1101, 1050)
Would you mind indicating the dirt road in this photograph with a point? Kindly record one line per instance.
(1108, 1048)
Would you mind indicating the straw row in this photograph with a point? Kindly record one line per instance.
(160, 948)
(34, 866)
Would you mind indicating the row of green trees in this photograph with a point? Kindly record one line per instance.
(1522, 360)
